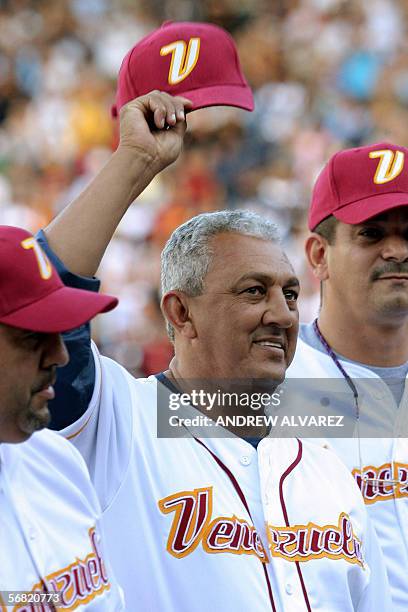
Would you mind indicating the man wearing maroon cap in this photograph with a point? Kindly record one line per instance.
(48, 508)
(358, 250)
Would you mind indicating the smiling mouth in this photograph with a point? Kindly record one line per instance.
(271, 345)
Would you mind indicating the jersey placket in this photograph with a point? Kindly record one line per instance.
(286, 577)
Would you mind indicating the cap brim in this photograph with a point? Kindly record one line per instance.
(62, 310)
(221, 95)
(239, 96)
(365, 209)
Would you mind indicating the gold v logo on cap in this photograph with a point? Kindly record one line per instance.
(390, 165)
(183, 58)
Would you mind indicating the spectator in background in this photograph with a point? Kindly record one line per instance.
(326, 73)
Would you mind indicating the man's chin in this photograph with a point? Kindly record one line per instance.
(275, 372)
(268, 378)
(395, 306)
(35, 420)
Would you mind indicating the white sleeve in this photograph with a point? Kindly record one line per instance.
(103, 434)
(377, 593)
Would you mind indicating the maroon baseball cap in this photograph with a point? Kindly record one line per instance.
(357, 184)
(32, 295)
(196, 60)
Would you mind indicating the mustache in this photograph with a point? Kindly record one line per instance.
(46, 381)
(272, 330)
(391, 267)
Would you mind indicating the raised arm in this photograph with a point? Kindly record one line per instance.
(152, 128)
(78, 237)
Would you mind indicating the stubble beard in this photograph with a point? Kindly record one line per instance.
(34, 419)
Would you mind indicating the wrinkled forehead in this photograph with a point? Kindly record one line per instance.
(237, 255)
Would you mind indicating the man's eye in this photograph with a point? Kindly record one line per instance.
(34, 339)
(257, 290)
(291, 295)
(371, 233)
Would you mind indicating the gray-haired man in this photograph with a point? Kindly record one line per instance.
(194, 522)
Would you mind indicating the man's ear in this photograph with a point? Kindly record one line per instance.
(316, 248)
(176, 310)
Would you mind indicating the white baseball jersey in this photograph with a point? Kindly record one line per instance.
(49, 537)
(214, 524)
(385, 458)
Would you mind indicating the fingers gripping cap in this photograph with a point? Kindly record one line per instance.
(32, 295)
(195, 60)
(357, 184)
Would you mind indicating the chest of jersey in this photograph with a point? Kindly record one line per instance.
(216, 509)
(50, 544)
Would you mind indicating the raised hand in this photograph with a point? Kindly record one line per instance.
(153, 127)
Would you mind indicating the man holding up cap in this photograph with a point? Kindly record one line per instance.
(48, 507)
(358, 250)
(194, 522)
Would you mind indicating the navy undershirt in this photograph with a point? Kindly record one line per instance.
(75, 381)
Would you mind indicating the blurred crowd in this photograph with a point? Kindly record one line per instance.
(326, 74)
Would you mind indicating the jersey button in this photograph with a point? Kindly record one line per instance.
(245, 460)
(289, 588)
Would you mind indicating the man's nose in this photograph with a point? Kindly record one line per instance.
(277, 311)
(395, 249)
(56, 353)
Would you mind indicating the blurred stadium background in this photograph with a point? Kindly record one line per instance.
(326, 74)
